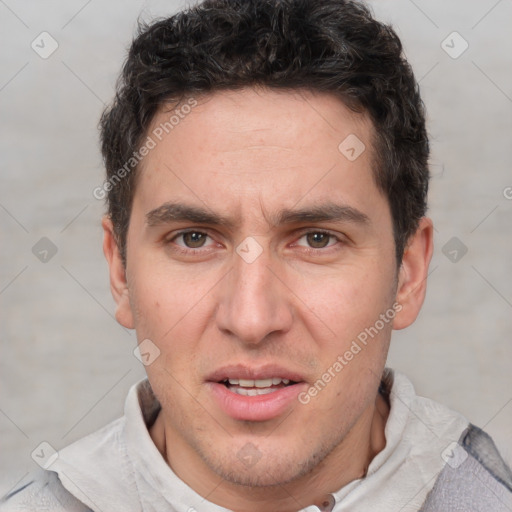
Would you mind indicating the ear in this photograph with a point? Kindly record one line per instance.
(118, 283)
(412, 277)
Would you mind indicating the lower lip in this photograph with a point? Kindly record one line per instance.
(255, 408)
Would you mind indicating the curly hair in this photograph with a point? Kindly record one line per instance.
(329, 46)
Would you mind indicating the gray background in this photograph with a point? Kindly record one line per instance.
(66, 364)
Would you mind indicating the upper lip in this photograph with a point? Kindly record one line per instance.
(241, 371)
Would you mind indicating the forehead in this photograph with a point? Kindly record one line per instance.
(243, 149)
(235, 117)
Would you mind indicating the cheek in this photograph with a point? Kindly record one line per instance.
(345, 302)
(170, 309)
(154, 302)
(351, 340)
(154, 287)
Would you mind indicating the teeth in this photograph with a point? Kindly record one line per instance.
(261, 383)
(253, 391)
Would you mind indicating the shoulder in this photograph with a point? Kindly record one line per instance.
(480, 446)
(475, 477)
(42, 491)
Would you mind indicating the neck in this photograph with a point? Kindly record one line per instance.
(349, 461)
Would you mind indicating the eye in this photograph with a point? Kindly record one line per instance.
(191, 239)
(319, 239)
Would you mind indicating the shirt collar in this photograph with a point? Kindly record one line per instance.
(142, 408)
(123, 459)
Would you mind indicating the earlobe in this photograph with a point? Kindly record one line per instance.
(118, 282)
(412, 280)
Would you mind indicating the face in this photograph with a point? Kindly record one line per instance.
(258, 255)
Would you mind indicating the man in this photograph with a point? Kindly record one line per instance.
(266, 231)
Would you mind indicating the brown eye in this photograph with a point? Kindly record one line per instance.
(318, 240)
(194, 239)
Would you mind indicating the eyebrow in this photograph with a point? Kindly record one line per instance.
(327, 212)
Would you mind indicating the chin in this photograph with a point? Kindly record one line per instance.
(268, 475)
(266, 467)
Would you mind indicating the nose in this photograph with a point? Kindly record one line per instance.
(254, 302)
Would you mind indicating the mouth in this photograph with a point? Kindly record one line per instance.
(255, 394)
